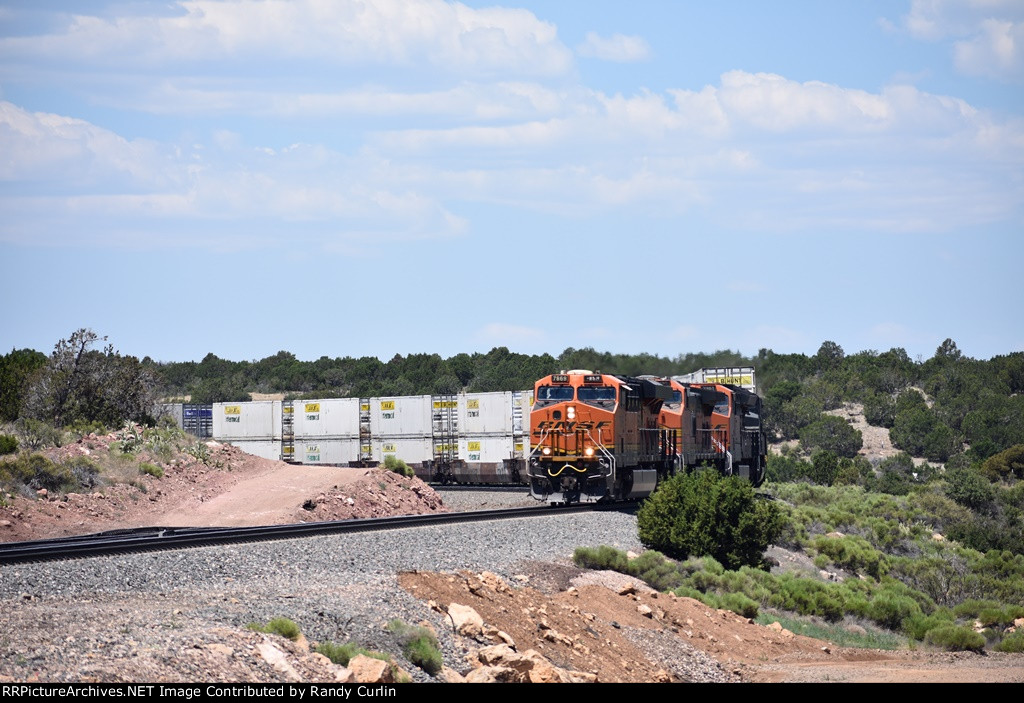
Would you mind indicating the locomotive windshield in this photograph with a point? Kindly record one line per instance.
(676, 401)
(546, 395)
(600, 396)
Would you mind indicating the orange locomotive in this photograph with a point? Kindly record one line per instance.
(596, 436)
(717, 424)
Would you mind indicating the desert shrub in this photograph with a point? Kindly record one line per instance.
(969, 488)
(955, 638)
(890, 609)
(833, 434)
(740, 604)
(1006, 464)
(784, 468)
(603, 557)
(37, 434)
(853, 554)
(1013, 642)
(392, 463)
(419, 645)
(8, 444)
(35, 472)
(151, 469)
(705, 514)
(199, 451)
(278, 626)
(85, 473)
(83, 428)
(130, 439)
(343, 653)
(917, 626)
(655, 570)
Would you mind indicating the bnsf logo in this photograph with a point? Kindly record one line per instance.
(563, 426)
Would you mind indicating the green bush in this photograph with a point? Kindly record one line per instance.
(603, 557)
(1006, 464)
(705, 514)
(833, 434)
(151, 469)
(8, 444)
(35, 472)
(419, 645)
(1013, 642)
(278, 626)
(392, 463)
(343, 653)
(955, 638)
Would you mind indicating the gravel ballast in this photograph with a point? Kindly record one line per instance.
(339, 588)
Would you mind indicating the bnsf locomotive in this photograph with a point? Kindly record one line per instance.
(600, 436)
(595, 436)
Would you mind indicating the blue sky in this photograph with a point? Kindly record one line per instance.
(346, 178)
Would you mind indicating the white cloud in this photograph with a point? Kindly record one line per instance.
(406, 33)
(73, 172)
(618, 47)
(988, 34)
(997, 50)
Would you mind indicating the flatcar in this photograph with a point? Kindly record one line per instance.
(596, 437)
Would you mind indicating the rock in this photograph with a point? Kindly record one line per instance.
(627, 589)
(465, 620)
(279, 660)
(369, 670)
(645, 610)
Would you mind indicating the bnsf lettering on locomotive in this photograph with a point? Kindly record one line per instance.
(564, 426)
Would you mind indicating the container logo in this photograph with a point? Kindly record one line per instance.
(733, 380)
(312, 407)
(232, 409)
(387, 405)
(439, 404)
(473, 403)
(474, 446)
(388, 448)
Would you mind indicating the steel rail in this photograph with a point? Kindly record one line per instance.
(165, 538)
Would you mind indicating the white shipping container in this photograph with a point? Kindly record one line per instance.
(263, 448)
(330, 418)
(485, 413)
(404, 416)
(410, 450)
(257, 420)
(336, 452)
(487, 449)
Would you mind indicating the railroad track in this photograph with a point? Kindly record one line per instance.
(161, 538)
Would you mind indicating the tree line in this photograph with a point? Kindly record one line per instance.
(940, 408)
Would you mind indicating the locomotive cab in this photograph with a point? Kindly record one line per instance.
(595, 436)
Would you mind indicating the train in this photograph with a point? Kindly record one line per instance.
(648, 428)
(597, 437)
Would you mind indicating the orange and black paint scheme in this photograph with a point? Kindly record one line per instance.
(596, 437)
(716, 424)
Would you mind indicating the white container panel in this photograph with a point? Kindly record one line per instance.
(409, 450)
(256, 421)
(522, 404)
(335, 452)
(403, 416)
(333, 418)
(263, 448)
(486, 449)
(486, 413)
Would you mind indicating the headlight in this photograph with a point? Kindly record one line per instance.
(546, 451)
(570, 412)
(589, 451)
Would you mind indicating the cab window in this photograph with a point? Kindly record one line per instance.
(548, 395)
(599, 396)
